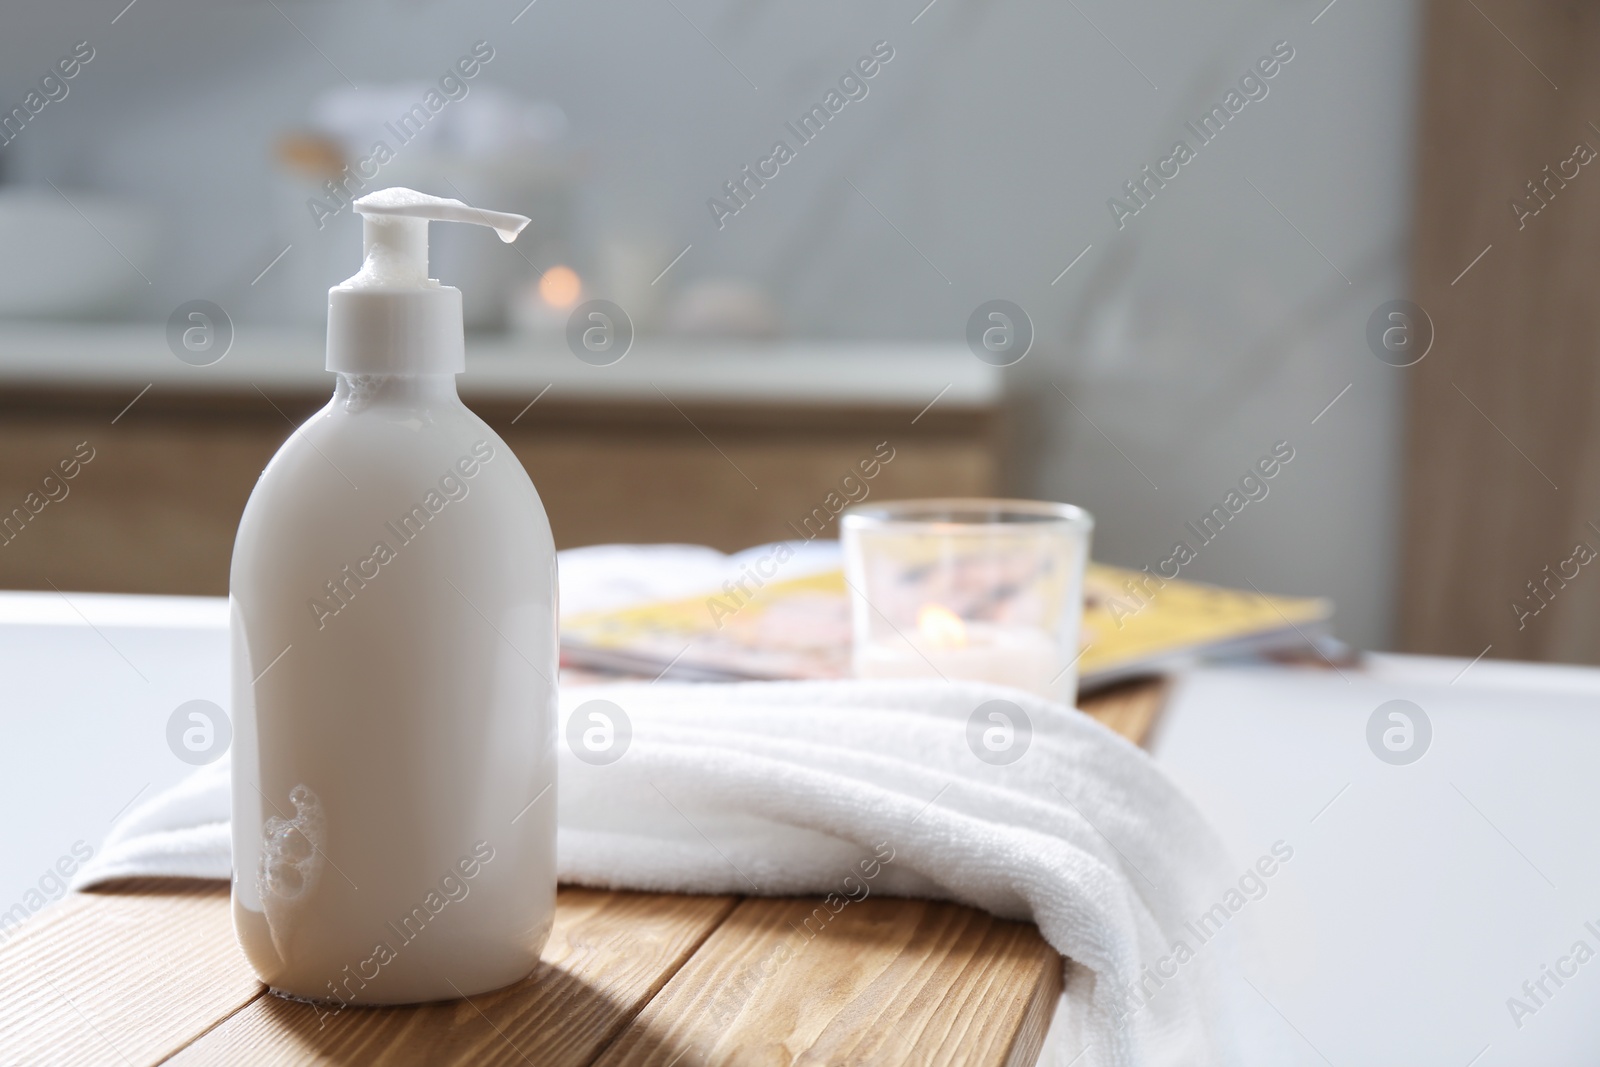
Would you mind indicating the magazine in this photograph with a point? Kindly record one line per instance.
(800, 628)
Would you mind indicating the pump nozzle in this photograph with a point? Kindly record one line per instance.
(395, 224)
(390, 317)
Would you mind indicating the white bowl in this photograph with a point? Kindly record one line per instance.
(81, 259)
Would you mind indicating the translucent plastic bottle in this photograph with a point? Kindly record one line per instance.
(393, 596)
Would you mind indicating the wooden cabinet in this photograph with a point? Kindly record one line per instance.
(1504, 413)
(155, 508)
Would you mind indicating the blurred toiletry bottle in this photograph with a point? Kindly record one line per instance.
(393, 606)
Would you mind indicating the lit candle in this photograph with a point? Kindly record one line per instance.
(945, 645)
(969, 590)
(543, 308)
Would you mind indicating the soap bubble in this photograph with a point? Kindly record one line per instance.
(1400, 333)
(999, 732)
(1399, 732)
(290, 864)
(599, 332)
(599, 732)
(999, 333)
(199, 333)
(198, 731)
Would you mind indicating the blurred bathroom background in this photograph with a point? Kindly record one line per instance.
(1170, 351)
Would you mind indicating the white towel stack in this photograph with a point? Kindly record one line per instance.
(782, 788)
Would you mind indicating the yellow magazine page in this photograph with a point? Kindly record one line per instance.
(1129, 623)
(800, 628)
(794, 628)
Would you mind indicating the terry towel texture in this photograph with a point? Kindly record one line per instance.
(784, 788)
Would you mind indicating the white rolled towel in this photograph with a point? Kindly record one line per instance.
(787, 787)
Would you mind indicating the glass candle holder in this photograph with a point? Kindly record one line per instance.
(978, 590)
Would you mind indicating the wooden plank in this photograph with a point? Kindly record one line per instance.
(123, 978)
(608, 955)
(880, 981)
(1130, 708)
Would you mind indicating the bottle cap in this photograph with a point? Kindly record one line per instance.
(390, 317)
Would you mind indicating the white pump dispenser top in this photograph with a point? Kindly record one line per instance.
(390, 317)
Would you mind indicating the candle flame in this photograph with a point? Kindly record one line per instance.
(560, 287)
(941, 626)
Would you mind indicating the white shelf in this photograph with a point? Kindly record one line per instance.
(824, 373)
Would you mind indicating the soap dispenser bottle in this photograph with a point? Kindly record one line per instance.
(393, 615)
